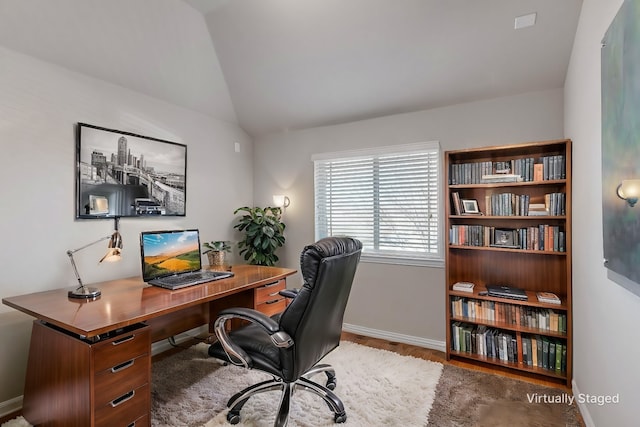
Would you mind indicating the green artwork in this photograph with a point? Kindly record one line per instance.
(621, 139)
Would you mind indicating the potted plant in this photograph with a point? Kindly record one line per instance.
(216, 251)
(263, 234)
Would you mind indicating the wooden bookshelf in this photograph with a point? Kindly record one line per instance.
(520, 257)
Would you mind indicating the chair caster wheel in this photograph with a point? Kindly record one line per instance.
(234, 417)
(331, 384)
(340, 418)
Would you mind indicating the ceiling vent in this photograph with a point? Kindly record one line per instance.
(525, 21)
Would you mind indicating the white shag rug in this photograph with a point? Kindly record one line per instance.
(377, 387)
(17, 422)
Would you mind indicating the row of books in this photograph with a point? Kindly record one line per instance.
(537, 351)
(511, 204)
(484, 341)
(492, 311)
(544, 352)
(521, 169)
(553, 167)
(507, 204)
(542, 237)
(555, 203)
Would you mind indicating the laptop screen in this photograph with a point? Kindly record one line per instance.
(169, 252)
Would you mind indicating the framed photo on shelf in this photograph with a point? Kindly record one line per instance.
(504, 238)
(470, 206)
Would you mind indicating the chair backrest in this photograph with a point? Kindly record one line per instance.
(314, 317)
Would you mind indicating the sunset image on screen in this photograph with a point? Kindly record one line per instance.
(170, 253)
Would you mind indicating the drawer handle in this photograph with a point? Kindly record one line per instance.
(122, 366)
(123, 398)
(273, 301)
(272, 284)
(123, 340)
(274, 294)
(133, 424)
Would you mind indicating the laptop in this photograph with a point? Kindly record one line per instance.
(171, 259)
(506, 292)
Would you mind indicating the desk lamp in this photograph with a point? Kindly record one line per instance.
(113, 254)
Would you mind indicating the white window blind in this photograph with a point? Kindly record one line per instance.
(387, 198)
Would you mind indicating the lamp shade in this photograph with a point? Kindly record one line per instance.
(629, 190)
(281, 201)
(114, 249)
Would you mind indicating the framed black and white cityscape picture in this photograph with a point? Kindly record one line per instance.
(121, 174)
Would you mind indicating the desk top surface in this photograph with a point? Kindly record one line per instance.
(128, 301)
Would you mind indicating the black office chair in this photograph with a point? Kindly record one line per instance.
(290, 345)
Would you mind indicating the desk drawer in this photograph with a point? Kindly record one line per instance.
(269, 292)
(125, 409)
(121, 348)
(272, 307)
(116, 381)
(140, 422)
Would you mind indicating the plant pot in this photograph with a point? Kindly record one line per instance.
(216, 258)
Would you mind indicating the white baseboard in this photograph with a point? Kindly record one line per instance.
(10, 406)
(392, 336)
(582, 407)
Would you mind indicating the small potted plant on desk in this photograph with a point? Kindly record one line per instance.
(216, 251)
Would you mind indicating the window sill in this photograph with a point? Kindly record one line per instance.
(418, 262)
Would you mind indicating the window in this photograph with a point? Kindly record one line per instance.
(388, 198)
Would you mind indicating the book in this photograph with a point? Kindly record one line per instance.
(457, 205)
(463, 287)
(558, 361)
(545, 353)
(538, 209)
(500, 177)
(538, 172)
(548, 298)
(501, 291)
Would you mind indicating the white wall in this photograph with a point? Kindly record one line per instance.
(606, 314)
(398, 302)
(39, 105)
(160, 48)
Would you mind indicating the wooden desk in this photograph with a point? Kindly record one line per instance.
(90, 361)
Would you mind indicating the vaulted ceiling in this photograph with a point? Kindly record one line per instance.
(302, 63)
(275, 65)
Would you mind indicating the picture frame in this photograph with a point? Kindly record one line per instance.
(620, 106)
(504, 238)
(122, 174)
(470, 207)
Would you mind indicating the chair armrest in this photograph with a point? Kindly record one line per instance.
(235, 353)
(251, 315)
(289, 293)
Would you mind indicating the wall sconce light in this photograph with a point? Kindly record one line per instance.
(629, 190)
(114, 250)
(281, 201)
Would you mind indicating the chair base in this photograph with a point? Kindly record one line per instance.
(304, 383)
